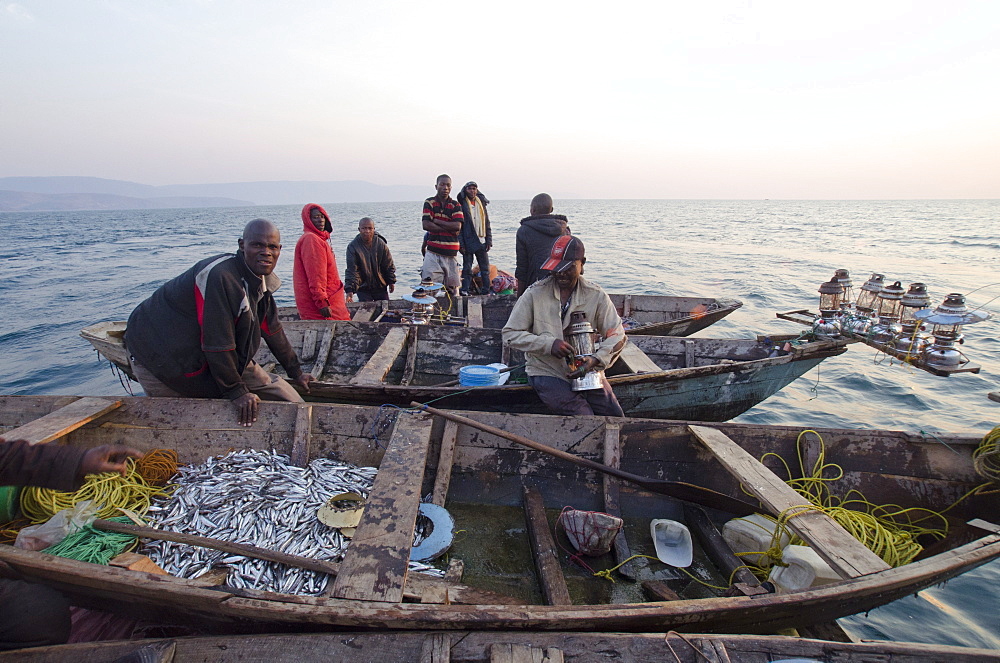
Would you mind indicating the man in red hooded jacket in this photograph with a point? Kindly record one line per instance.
(319, 292)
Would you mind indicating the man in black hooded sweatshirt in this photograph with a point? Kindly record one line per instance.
(534, 240)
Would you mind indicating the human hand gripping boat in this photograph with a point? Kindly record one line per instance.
(479, 477)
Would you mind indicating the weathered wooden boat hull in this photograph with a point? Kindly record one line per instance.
(694, 396)
(698, 379)
(655, 315)
(695, 379)
(487, 472)
(473, 646)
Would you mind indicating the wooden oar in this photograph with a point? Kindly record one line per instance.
(452, 383)
(676, 489)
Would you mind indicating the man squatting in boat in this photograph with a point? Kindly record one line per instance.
(536, 328)
(197, 335)
(35, 615)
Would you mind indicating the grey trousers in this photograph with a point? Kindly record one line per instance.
(268, 386)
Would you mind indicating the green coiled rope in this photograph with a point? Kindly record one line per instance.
(93, 545)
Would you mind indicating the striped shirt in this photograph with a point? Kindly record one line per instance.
(443, 242)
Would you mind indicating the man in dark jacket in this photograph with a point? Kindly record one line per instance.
(197, 335)
(476, 238)
(370, 270)
(36, 615)
(534, 240)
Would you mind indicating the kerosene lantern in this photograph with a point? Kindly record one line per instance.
(843, 277)
(423, 303)
(581, 336)
(910, 339)
(948, 319)
(830, 295)
(865, 305)
(890, 300)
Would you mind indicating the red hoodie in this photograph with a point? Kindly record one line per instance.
(315, 277)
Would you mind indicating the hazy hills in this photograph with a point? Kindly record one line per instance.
(93, 193)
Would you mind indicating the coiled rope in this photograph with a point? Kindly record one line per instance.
(93, 545)
(110, 490)
(986, 458)
(890, 531)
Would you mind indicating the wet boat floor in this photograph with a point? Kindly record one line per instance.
(493, 543)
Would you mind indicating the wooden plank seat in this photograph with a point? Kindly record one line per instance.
(323, 352)
(474, 311)
(63, 421)
(637, 360)
(376, 368)
(375, 565)
(847, 556)
(365, 313)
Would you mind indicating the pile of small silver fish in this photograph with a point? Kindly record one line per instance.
(258, 498)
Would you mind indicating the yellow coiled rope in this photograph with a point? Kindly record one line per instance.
(890, 531)
(109, 490)
(986, 458)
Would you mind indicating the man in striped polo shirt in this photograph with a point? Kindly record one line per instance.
(442, 220)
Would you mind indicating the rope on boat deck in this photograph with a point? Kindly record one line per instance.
(93, 545)
(890, 531)
(110, 490)
(986, 457)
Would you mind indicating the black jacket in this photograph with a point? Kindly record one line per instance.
(199, 331)
(534, 242)
(369, 268)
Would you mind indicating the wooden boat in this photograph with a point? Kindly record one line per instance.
(480, 478)
(660, 377)
(656, 315)
(504, 647)
(653, 315)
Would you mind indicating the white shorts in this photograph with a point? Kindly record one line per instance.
(442, 269)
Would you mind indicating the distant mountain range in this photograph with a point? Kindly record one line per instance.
(94, 193)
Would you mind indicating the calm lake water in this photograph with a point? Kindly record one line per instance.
(62, 271)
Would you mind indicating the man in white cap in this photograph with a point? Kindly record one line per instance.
(537, 327)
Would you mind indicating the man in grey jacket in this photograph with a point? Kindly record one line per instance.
(534, 240)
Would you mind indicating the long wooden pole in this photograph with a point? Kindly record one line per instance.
(677, 489)
(416, 584)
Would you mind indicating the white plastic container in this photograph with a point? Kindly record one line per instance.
(752, 534)
(805, 569)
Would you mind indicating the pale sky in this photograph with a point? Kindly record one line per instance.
(664, 99)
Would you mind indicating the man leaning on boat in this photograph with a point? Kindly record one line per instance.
(537, 327)
(196, 336)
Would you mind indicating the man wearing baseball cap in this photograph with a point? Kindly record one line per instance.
(538, 324)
